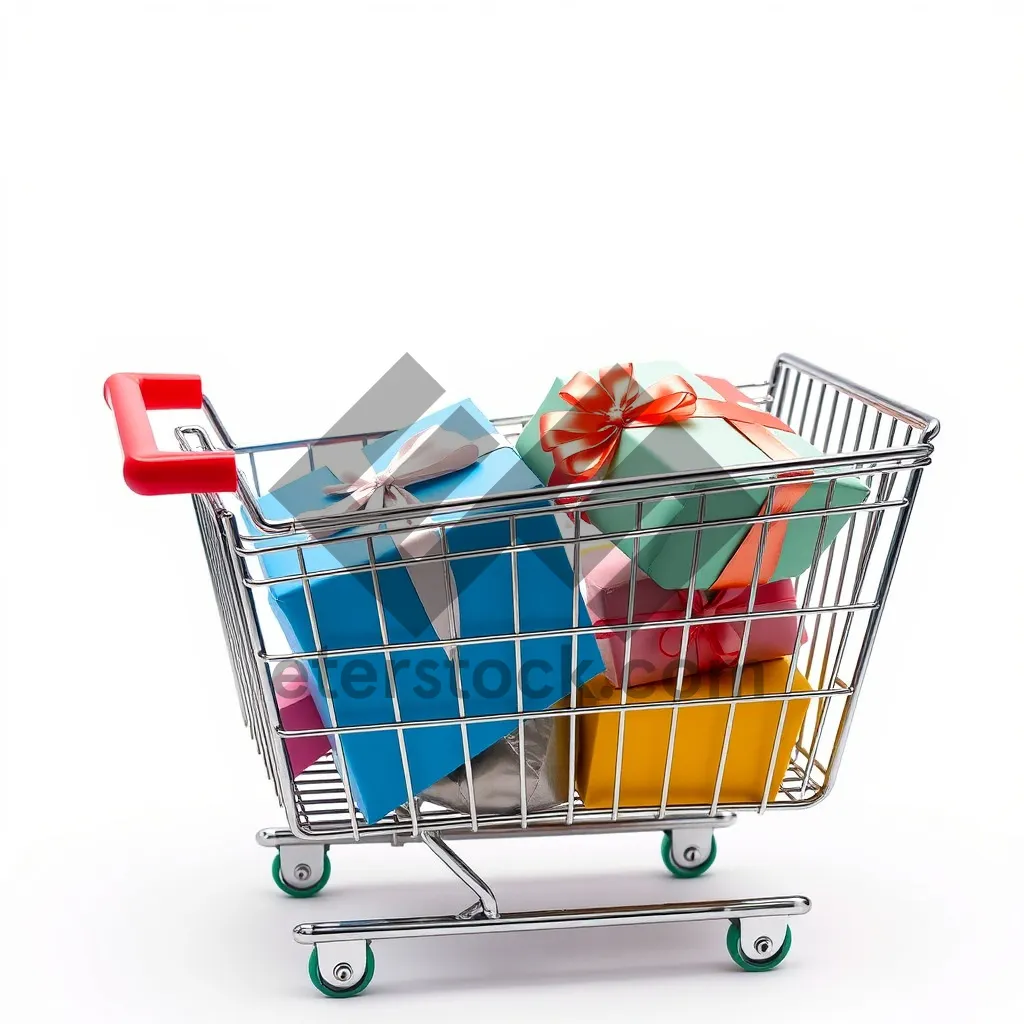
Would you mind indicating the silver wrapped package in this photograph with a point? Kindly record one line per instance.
(496, 772)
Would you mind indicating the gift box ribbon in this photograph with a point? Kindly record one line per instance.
(584, 439)
(713, 643)
(426, 455)
(710, 644)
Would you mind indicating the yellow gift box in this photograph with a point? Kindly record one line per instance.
(700, 733)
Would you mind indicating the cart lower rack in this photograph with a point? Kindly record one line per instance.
(761, 747)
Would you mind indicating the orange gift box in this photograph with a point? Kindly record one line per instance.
(699, 735)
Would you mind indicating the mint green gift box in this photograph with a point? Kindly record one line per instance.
(694, 445)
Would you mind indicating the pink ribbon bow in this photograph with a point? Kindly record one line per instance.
(712, 643)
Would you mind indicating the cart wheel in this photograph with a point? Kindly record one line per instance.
(689, 870)
(291, 890)
(347, 986)
(732, 941)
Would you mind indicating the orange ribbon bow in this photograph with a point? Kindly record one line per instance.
(583, 441)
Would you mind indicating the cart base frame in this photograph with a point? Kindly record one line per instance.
(341, 962)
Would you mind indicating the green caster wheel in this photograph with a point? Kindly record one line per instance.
(732, 941)
(291, 890)
(347, 985)
(687, 871)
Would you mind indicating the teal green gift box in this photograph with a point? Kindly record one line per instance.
(643, 410)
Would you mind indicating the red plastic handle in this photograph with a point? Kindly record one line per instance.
(147, 469)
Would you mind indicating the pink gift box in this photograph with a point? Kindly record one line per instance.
(654, 653)
(298, 711)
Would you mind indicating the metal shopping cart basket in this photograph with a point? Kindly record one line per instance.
(841, 597)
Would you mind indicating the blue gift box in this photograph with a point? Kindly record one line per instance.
(346, 613)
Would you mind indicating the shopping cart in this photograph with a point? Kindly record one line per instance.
(841, 599)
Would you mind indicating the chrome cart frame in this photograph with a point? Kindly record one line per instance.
(841, 598)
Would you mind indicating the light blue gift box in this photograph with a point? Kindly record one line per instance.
(699, 444)
(346, 613)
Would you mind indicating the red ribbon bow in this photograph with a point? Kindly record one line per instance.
(583, 440)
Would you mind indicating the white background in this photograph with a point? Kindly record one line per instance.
(285, 197)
